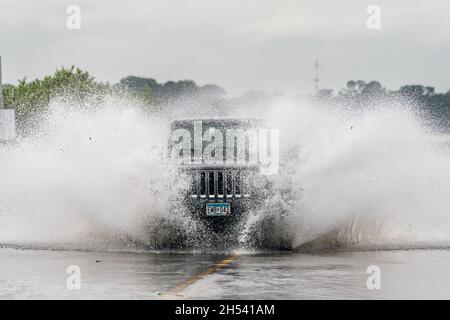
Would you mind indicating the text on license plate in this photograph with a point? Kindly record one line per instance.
(218, 209)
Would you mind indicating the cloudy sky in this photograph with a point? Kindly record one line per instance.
(240, 45)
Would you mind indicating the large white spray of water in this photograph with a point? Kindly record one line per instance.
(373, 179)
(87, 177)
(84, 175)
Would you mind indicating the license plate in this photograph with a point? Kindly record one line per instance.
(218, 209)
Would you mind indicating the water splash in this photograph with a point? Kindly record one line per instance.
(372, 179)
(85, 176)
(97, 178)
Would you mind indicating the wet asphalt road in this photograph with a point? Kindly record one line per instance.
(41, 274)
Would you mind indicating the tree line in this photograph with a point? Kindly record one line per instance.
(30, 99)
(360, 95)
(73, 85)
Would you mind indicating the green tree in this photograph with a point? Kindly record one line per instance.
(30, 99)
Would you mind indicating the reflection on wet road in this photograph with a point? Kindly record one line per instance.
(41, 274)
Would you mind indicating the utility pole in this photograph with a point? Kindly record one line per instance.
(316, 79)
(1, 86)
(7, 117)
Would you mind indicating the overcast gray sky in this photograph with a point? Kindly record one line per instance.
(240, 45)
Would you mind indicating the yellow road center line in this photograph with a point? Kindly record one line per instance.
(190, 281)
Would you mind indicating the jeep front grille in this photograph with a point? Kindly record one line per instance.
(213, 184)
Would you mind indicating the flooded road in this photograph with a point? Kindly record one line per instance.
(41, 274)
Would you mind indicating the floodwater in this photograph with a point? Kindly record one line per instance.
(377, 178)
(42, 274)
